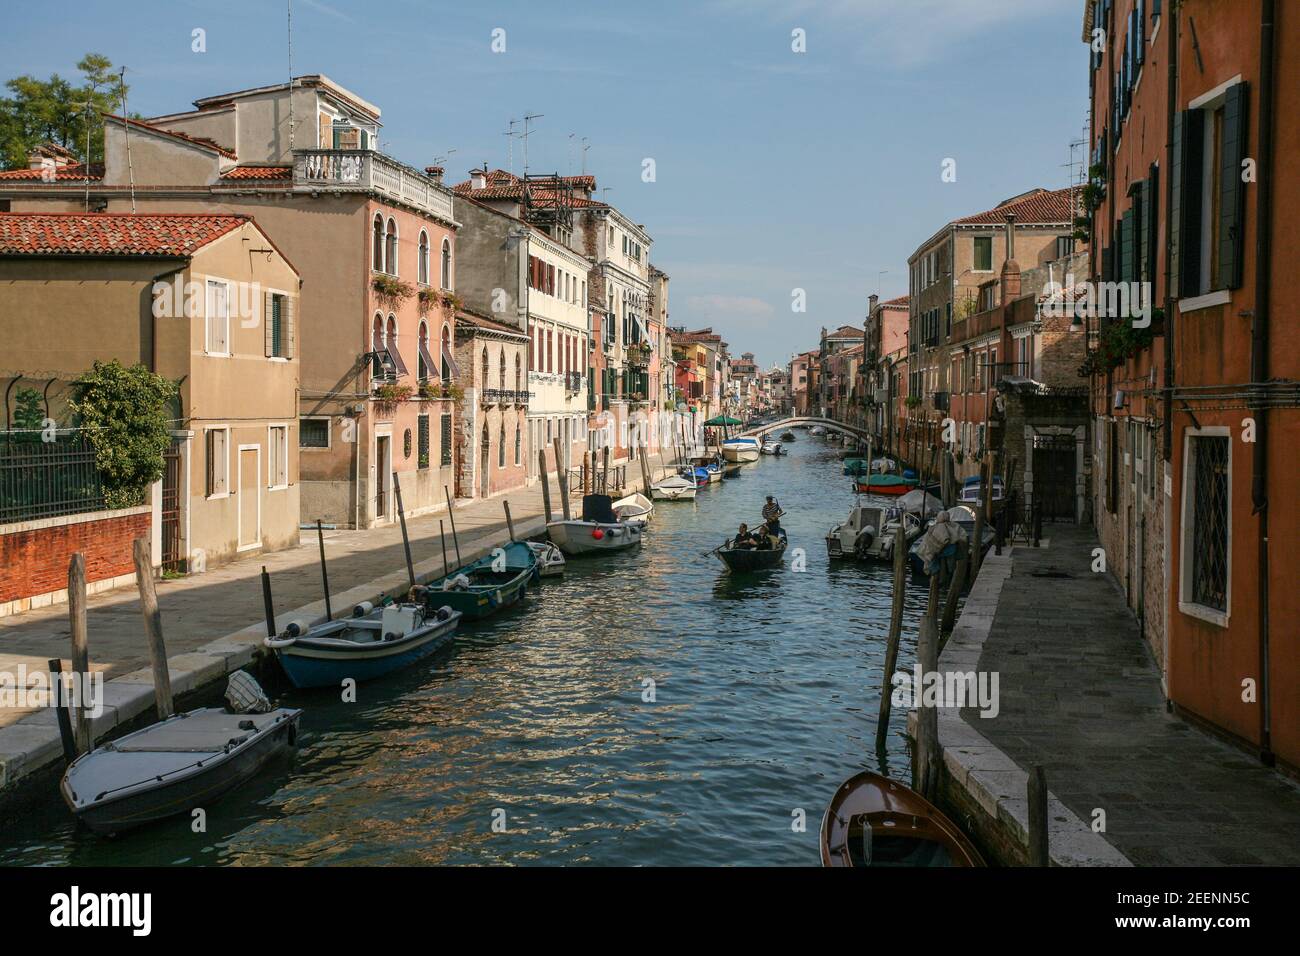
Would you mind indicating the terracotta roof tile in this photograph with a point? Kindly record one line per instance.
(111, 234)
(259, 173)
(61, 174)
(1042, 206)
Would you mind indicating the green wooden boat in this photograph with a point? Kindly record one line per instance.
(485, 586)
(884, 485)
(855, 466)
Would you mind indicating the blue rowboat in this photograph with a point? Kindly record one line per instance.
(485, 586)
(370, 644)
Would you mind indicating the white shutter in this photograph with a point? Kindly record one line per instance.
(268, 314)
(287, 321)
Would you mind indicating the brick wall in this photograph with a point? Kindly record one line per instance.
(34, 555)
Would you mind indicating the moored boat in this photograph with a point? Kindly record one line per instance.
(753, 559)
(875, 821)
(817, 430)
(970, 491)
(168, 768)
(884, 485)
(599, 530)
(550, 559)
(787, 435)
(371, 643)
(770, 447)
(674, 488)
(741, 449)
(855, 467)
(482, 587)
(870, 533)
(636, 509)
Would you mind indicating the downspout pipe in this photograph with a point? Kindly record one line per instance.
(1259, 370)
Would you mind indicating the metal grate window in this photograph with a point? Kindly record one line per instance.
(1210, 522)
(445, 439)
(423, 442)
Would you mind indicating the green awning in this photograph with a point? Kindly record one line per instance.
(723, 420)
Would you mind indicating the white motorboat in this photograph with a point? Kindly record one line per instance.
(635, 509)
(673, 488)
(770, 447)
(817, 430)
(550, 559)
(869, 533)
(599, 530)
(740, 449)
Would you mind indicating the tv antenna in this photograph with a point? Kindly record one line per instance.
(528, 118)
(510, 135)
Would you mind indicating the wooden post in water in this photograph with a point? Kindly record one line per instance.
(80, 646)
(929, 762)
(561, 479)
(510, 525)
(1038, 848)
(954, 592)
(451, 516)
(977, 550)
(604, 481)
(442, 535)
(546, 483)
(55, 666)
(324, 574)
(645, 473)
(406, 541)
(895, 632)
(162, 681)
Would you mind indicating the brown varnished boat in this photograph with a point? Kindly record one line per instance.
(875, 821)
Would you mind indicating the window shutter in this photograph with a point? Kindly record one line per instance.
(1127, 258)
(1151, 223)
(289, 326)
(208, 441)
(268, 311)
(1185, 213)
(1232, 191)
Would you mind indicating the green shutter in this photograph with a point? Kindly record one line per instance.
(1185, 213)
(1127, 257)
(1151, 223)
(1232, 191)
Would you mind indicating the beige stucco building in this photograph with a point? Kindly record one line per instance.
(208, 302)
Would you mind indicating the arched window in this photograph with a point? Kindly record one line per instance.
(446, 351)
(503, 369)
(501, 449)
(390, 248)
(446, 263)
(485, 367)
(423, 268)
(377, 345)
(377, 244)
(519, 379)
(422, 366)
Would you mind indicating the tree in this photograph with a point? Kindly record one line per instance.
(29, 415)
(125, 415)
(57, 111)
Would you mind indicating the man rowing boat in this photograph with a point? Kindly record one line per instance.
(772, 515)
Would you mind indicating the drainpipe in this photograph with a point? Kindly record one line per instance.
(1170, 292)
(1259, 360)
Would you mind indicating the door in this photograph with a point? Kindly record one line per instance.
(250, 496)
(1054, 479)
(382, 467)
(172, 557)
(485, 462)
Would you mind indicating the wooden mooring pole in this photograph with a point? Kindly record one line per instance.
(895, 633)
(406, 541)
(451, 516)
(324, 572)
(561, 478)
(80, 646)
(929, 761)
(510, 524)
(948, 620)
(153, 632)
(546, 483)
(1037, 793)
(69, 743)
(645, 473)
(442, 536)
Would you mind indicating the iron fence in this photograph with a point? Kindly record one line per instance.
(40, 479)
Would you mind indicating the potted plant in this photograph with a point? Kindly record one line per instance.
(388, 394)
(391, 290)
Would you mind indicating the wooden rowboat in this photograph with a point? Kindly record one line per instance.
(875, 821)
(739, 560)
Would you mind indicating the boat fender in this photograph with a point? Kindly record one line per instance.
(597, 533)
(362, 609)
(295, 629)
(444, 613)
(391, 636)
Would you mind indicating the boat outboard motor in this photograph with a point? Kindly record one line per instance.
(245, 695)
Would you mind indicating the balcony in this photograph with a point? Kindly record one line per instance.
(504, 396)
(366, 171)
(638, 355)
(572, 382)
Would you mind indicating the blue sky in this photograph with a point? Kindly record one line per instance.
(775, 170)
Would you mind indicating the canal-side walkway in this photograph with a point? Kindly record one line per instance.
(213, 622)
(1080, 695)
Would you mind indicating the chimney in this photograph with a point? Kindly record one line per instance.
(434, 173)
(872, 302)
(1010, 281)
(478, 178)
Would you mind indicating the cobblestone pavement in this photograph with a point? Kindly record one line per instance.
(1080, 695)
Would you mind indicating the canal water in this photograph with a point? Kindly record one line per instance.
(538, 737)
